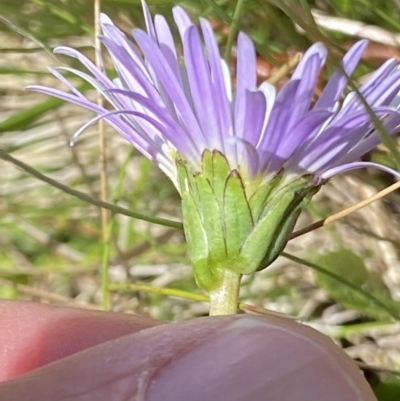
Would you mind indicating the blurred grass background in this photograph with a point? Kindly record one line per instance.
(343, 280)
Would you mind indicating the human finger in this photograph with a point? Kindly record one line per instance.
(236, 358)
(33, 334)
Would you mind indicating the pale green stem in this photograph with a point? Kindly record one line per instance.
(225, 299)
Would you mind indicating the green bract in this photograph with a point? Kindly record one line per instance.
(234, 226)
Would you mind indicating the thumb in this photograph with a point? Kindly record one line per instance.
(236, 358)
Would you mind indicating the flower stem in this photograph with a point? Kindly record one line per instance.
(85, 197)
(225, 299)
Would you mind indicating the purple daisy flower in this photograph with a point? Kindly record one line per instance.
(245, 161)
(163, 106)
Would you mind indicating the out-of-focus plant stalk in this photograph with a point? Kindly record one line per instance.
(103, 168)
(233, 31)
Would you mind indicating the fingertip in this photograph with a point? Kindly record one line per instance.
(34, 334)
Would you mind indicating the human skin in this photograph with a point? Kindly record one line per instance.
(65, 354)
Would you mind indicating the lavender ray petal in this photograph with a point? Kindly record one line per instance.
(378, 78)
(100, 76)
(172, 87)
(220, 90)
(317, 49)
(137, 77)
(130, 72)
(182, 20)
(253, 116)
(106, 116)
(152, 130)
(305, 128)
(367, 144)
(167, 45)
(105, 19)
(176, 135)
(305, 91)
(164, 34)
(116, 39)
(246, 79)
(341, 127)
(357, 165)
(329, 144)
(378, 95)
(278, 119)
(319, 156)
(152, 34)
(186, 86)
(144, 146)
(384, 95)
(201, 89)
(269, 93)
(148, 20)
(83, 102)
(351, 139)
(65, 81)
(119, 39)
(337, 83)
(362, 134)
(117, 103)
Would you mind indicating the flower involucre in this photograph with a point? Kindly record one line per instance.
(245, 161)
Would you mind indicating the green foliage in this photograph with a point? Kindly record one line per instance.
(386, 387)
(351, 267)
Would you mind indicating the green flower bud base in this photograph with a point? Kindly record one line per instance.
(235, 226)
